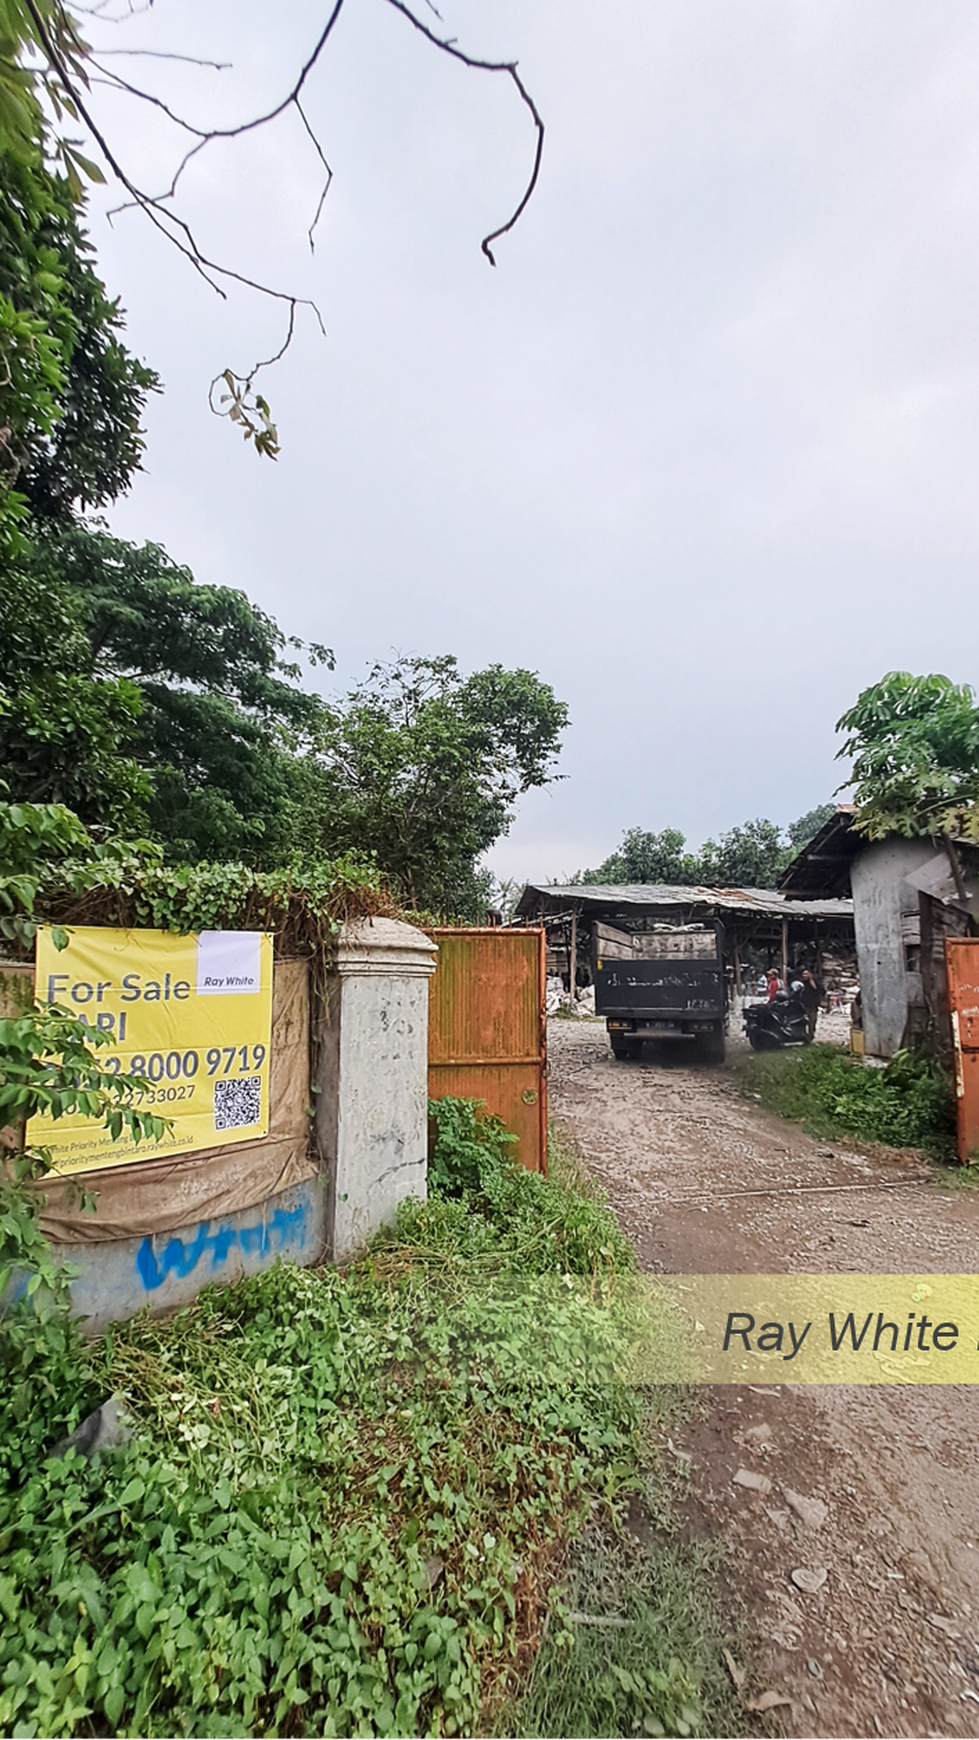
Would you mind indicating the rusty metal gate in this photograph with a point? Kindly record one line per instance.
(487, 1033)
(962, 962)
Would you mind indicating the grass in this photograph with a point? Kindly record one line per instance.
(347, 1491)
(658, 1667)
(908, 1104)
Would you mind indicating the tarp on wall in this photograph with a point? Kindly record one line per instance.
(160, 1195)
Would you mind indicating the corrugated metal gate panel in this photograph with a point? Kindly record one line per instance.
(962, 960)
(487, 1035)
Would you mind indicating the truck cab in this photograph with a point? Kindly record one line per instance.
(665, 983)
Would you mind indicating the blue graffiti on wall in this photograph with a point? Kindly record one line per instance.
(283, 1227)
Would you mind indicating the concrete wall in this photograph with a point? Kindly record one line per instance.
(372, 1112)
(881, 897)
(371, 1145)
(165, 1270)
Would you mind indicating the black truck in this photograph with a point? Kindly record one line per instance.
(665, 984)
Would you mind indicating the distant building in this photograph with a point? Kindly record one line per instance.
(755, 919)
(905, 903)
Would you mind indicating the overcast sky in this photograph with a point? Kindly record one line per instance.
(702, 450)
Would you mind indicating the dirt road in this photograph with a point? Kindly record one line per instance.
(703, 1181)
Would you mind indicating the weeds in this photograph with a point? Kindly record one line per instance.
(482, 1205)
(908, 1104)
(345, 1488)
(634, 1644)
(346, 1491)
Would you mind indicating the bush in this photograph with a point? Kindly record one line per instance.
(484, 1203)
(345, 1489)
(908, 1104)
(659, 1669)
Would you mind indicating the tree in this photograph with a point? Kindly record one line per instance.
(914, 742)
(127, 692)
(66, 735)
(70, 402)
(646, 857)
(422, 766)
(807, 827)
(191, 680)
(43, 53)
(71, 395)
(751, 856)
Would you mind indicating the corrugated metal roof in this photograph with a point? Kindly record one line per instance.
(648, 895)
(822, 867)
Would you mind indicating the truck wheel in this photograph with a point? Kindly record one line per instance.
(711, 1048)
(625, 1048)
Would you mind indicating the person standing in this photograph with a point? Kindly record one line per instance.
(812, 996)
(774, 984)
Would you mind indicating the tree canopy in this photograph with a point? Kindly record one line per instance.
(647, 857)
(802, 831)
(914, 743)
(142, 700)
(750, 856)
(167, 705)
(423, 766)
(71, 395)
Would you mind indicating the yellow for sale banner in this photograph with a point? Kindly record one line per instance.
(192, 1014)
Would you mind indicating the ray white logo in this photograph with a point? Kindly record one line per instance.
(229, 963)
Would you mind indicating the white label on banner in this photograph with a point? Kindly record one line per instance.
(229, 963)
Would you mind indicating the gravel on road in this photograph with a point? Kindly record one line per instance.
(704, 1181)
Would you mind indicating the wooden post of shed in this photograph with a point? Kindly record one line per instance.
(785, 952)
(573, 952)
(736, 963)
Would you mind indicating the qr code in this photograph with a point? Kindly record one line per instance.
(237, 1103)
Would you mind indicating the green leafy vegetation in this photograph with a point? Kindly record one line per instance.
(345, 1490)
(422, 766)
(32, 838)
(55, 872)
(215, 724)
(915, 748)
(908, 1104)
(71, 396)
(484, 1205)
(78, 437)
(149, 703)
(657, 1668)
(49, 1064)
(32, 38)
(753, 855)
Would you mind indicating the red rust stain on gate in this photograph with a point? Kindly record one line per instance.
(962, 961)
(487, 1034)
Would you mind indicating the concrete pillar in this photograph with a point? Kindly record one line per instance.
(372, 1104)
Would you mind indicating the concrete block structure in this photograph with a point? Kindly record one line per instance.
(372, 1103)
(888, 929)
(347, 1142)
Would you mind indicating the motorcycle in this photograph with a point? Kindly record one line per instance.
(783, 1021)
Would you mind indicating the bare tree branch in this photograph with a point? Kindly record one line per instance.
(164, 54)
(174, 228)
(448, 46)
(245, 407)
(101, 10)
(317, 147)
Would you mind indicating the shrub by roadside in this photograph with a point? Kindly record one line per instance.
(908, 1104)
(345, 1489)
(635, 1613)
